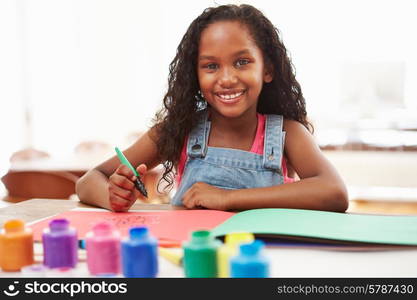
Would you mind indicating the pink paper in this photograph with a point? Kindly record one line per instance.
(175, 225)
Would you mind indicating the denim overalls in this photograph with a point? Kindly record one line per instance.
(230, 168)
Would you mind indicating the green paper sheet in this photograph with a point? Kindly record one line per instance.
(323, 226)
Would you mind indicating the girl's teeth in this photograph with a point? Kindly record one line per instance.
(228, 97)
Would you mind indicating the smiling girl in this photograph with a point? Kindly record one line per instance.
(233, 124)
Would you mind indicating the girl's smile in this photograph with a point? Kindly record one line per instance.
(229, 97)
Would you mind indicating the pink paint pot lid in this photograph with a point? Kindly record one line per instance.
(104, 229)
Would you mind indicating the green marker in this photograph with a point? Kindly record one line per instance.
(138, 183)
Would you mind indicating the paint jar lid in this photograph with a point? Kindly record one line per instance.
(103, 229)
(201, 237)
(14, 225)
(138, 232)
(234, 238)
(251, 248)
(59, 224)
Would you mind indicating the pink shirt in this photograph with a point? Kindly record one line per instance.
(257, 147)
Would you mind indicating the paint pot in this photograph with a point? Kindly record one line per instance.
(250, 262)
(60, 245)
(200, 255)
(139, 253)
(103, 249)
(16, 246)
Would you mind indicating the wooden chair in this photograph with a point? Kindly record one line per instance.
(40, 184)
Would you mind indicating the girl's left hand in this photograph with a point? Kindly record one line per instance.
(201, 194)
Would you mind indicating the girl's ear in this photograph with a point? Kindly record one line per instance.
(268, 74)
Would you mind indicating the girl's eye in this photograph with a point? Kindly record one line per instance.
(211, 66)
(242, 62)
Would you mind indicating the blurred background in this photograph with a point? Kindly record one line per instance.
(78, 77)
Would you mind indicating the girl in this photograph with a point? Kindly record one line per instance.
(233, 121)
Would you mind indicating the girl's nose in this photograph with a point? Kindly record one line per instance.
(227, 78)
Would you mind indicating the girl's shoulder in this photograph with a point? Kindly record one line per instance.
(297, 136)
(294, 126)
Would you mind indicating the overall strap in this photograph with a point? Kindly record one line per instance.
(274, 142)
(198, 138)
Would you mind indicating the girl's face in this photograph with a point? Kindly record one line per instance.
(231, 69)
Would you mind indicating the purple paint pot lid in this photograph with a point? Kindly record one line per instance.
(59, 224)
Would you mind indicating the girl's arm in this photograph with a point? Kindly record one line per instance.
(320, 187)
(94, 188)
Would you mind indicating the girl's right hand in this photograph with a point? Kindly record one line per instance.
(122, 191)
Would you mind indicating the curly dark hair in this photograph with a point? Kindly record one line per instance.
(183, 102)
